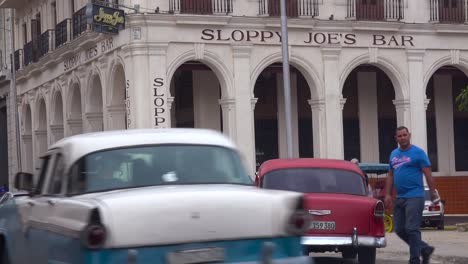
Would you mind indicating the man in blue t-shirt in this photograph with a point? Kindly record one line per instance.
(407, 165)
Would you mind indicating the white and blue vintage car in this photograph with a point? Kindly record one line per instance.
(175, 196)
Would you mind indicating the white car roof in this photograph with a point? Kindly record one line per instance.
(77, 146)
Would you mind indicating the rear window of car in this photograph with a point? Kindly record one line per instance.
(156, 165)
(315, 180)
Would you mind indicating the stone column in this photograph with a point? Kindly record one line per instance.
(333, 112)
(243, 122)
(368, 116)
(282, 140)
(57, 132)
(417, 98)
(170, 104)
(75, 126)
(94, 122)
(146, 85)
(228, 106)
(116, 117)
(444, 123)
(317, 107)
(160, 85)
(206, 96)
(402, 108)
(27, 154)
(41, 144)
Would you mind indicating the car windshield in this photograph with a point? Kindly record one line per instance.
(156, 165)
(315, 180)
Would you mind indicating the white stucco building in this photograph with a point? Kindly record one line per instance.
(359, 70)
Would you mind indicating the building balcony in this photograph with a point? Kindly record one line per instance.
(449, 11)
(201, 7)
(62, 31)
(376, 10)
(46, 42)
(79, 22)
(294, 8)
(30, 53)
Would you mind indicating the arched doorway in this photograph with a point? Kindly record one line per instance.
(196, 91)
(369, 115)
(269, 116)
(447, 126)
(116, 104)
(94, 107)
(56, 127)
(74, 118)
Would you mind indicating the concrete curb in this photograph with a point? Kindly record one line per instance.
(439, 259)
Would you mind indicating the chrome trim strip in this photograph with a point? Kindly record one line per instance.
(62, 230)
(320, 212)
(344, 241)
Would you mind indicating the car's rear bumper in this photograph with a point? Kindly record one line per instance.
(295, 260)
(428, 219)
(364, 241)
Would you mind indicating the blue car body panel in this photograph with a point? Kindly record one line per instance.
(25, 244)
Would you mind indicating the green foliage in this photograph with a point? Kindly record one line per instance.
(462, 100)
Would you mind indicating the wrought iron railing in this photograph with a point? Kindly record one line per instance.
(449, 11)
(62, 32)
(375, 9)
(201, 7)
(46, 42)
(18, 54)
(29, 53)
(294, 8)
(79, 22)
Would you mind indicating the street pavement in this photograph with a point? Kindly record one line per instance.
(451, 248)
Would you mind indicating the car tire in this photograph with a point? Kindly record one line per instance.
(367, 255)
(441, 224)
(349, 253)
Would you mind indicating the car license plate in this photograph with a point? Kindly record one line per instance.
(204, 255)
(323, 225)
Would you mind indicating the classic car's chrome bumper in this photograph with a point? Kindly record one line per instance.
(365, 241)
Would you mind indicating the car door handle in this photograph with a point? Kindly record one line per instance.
(31, 203)
(51, 202)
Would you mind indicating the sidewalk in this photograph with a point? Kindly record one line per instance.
(451, 246)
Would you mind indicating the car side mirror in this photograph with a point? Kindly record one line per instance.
(24, 181)
(442, 201)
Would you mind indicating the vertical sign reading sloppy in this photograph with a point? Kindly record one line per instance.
(128, 119)
(158, 102)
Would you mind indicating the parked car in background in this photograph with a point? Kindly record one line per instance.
(433, 214)
(174, 196)
(345, 219)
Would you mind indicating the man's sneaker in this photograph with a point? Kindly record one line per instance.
(426, 254)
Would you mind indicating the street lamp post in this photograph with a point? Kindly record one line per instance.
(13, 92)
(286, 78)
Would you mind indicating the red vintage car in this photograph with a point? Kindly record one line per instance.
(344, 218)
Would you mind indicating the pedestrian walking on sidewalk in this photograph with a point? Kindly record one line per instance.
(407, 165)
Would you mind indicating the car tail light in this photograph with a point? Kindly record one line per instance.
(379, 209)
(298, 223)
(94, 236)
(434, 208)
